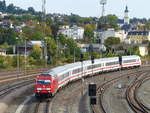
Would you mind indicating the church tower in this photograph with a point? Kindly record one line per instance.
(126, 16)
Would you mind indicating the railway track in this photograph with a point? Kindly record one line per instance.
(6, 78)
(132, 99)
(9, 88)
(101, 89)
(42, 106)
(10, 74)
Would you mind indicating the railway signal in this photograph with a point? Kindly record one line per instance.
(92, 59)
(92, 89)
(92, 93)
(81, 57)
(120, 60)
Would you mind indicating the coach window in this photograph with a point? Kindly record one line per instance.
(112, 63)
(89, 67)
(129, 61)
(76, 71)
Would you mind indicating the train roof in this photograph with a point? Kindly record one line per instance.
(62, 69)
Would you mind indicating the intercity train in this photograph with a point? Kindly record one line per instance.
(48, 83)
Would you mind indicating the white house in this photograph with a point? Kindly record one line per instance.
(74, 32)
(103, 35)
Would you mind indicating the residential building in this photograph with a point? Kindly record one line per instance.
(74, 32)
(103, 35)
(138, 36)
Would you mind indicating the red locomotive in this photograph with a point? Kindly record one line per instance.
(46, 86)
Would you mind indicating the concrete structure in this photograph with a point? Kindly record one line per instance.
(103, 35)
(126, 16)
(74, 32)
(138, 36)
(143, 50)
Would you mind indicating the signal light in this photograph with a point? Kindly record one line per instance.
(92, 89)
(92, 59)
(120, 60)
(81, 57)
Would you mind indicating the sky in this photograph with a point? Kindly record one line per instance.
(89, 8)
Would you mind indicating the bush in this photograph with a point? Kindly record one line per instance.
(3, 63)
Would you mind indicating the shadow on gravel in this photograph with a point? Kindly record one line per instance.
(10, 102)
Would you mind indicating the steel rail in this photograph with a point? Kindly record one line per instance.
(101, 89)
(6, 90)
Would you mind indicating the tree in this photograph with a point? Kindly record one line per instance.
(112, 41)
(31, 10)
(89, 31)
(3, 62)
(36, 53)
(109, 21)
(52, 49)
(10, 8)
(7, 36)
(2, 6)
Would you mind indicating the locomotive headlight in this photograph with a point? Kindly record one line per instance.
(39, 88)
(48, 88)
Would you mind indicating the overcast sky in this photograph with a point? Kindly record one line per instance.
(137, 8)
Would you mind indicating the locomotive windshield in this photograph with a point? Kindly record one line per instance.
(44, 74)
(43, 81)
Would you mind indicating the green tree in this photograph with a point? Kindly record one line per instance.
(36, 53)
(7, 36)
(52, 49)
(31, 10)
(3, 62)
(109, 21)
(112, 41)
(89, 31)
(10, 8)
(2, 6)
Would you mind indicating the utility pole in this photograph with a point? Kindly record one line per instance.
(44, 26)
(82, 75)
(18, 56)
(43, 8)
(25, 56)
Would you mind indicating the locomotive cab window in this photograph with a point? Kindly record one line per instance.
(43, 81)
